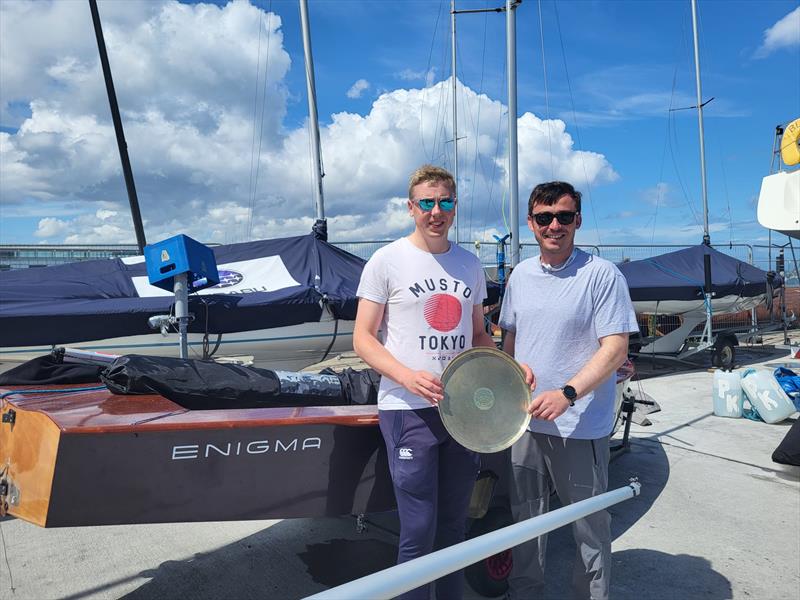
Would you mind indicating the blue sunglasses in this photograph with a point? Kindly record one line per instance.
(427, 204)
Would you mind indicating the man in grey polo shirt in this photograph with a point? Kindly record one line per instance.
(567, 314)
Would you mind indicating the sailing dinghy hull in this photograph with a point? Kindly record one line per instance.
(287, 348)
(93, 458)
(283, 302)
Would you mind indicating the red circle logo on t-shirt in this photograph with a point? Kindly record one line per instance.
(442, 312)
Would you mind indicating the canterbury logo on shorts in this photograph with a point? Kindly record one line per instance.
(405, 454)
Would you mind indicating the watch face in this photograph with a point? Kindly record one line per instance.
(569, 392)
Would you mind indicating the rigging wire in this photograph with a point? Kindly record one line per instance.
(425, 87)
(444, 102)
(5, 555)
(674, 139)
(708, 60)
(546, 97)
(261, 124)
(575, 122)
(689, 53)
(495, 162)
(477, 123)
(439, 133)
(659, 187)
(473, 123)
(727, 199)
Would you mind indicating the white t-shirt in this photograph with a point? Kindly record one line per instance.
(427, 320)
(558, 318)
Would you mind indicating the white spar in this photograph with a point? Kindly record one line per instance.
(401, 578)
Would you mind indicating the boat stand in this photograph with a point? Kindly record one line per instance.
(624, 445)
(627, 409)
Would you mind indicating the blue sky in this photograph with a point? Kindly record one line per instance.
(187, 75)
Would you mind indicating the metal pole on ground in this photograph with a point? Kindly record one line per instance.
(401, 578)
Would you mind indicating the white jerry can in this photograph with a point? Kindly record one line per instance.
(766, 395)
(728, 397)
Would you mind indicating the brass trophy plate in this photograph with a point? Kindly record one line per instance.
(485, 400)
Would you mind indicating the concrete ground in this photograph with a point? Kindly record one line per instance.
(716, 519)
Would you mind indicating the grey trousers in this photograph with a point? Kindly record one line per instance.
(575, 470)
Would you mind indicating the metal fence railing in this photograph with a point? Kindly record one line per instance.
(762, 256)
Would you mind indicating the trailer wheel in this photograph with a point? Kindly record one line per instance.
(489, 577)
(724, 354)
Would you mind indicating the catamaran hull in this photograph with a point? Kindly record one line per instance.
(284, 348)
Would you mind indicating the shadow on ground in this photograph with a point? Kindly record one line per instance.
(268, 564)
(675, 576)
(649, 464)
(295, 558)
(647, 367)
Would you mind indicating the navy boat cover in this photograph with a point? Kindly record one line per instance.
(679, 275)
(263, 284)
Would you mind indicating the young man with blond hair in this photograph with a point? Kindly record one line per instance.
(424, 295)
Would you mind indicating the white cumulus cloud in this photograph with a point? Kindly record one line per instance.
(784, 34)
(50, 227)
(428, 76)
(202, 166)
(358, 88)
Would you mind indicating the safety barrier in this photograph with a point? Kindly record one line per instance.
(412, 574)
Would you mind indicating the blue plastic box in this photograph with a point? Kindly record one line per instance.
(180, 254)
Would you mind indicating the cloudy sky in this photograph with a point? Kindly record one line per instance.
(214, 107)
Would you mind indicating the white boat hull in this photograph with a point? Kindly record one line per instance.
(779, 203)
(724, 305)
(284, 348)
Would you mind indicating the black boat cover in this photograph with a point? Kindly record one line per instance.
(269, 283)
(48, 370)
(207, 385)
(788, 451)
(680, 276)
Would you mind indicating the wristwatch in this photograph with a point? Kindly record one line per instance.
(570, 394)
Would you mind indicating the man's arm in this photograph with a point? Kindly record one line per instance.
(508, 348)
(369, 348)
(479, 335)
(509, 337)
(609, 357)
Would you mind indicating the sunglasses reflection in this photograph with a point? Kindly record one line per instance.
(427, 204)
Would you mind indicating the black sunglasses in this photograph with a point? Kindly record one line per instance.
(564, 217)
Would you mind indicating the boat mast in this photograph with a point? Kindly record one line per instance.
(513, 183)
(706, 236)
(455, 101)
(707, 338)
(320, 227)
(127, 172)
